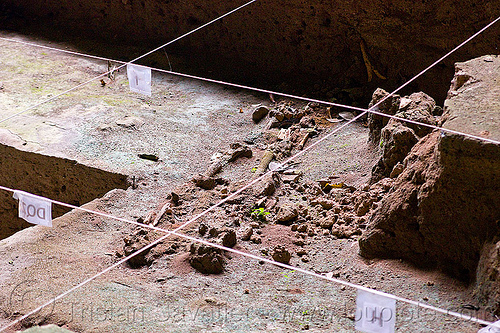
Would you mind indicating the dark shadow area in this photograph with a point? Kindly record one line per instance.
(51, 177)
(319, 50)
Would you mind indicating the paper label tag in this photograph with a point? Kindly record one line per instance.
(139, 79)
(34, 209)
(491, 329)
(375, 313)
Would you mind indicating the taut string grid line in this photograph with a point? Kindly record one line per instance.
(125, 64)
(174, 232)
(235, 85)
(242, 253)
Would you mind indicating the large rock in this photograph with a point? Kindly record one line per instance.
(487, 287)
(396, 141)
(442, 210)
(287, 213)
(418, 107)
(397, 137)
(389, 106)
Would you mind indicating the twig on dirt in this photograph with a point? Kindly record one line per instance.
(166, 208)
(168, 59)
(54, 124)
(237, 151)
(369, 67)
(123, 284)
(111, 71)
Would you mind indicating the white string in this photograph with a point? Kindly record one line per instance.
(59, 50)
(235, 85)
(174, 232)
(245, 254)
(448, 54)
(371, 110)
(127, 63)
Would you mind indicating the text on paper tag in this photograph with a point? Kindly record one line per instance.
(34, 209)
(139, 79)
(375, 313)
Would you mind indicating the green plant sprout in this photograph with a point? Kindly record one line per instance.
(285, 274)
(259, 214)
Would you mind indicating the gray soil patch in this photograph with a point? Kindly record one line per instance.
(183, 124)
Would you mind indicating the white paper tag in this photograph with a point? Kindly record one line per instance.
(34, 209)
(139, 79)
(375, 313)
(491, 329)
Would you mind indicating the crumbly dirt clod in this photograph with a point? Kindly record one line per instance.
(281, 254)
(205, 259)
(328, 187)
(442, 208)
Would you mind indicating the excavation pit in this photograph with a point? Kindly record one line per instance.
(183, 125)
(51, 177)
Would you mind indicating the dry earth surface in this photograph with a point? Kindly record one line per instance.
(184, 123)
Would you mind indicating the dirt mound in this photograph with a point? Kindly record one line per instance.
(443, 207)
(281, 203)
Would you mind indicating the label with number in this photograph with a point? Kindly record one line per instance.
(34, 209)
(375, 313)
(139, 79)
(491, 329)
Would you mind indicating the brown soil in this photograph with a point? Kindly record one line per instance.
(186, 122)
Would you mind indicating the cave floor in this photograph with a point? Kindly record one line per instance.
(184, 123)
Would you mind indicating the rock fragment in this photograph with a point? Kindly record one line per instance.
(266, 187)
(287, 213)
(259, 113)
(247, 233)
(281, 254)
(137, 241)
(203, 228)
(205, 182)
(205, 259)
(327, 222)
(228, 238)
(307, 122)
